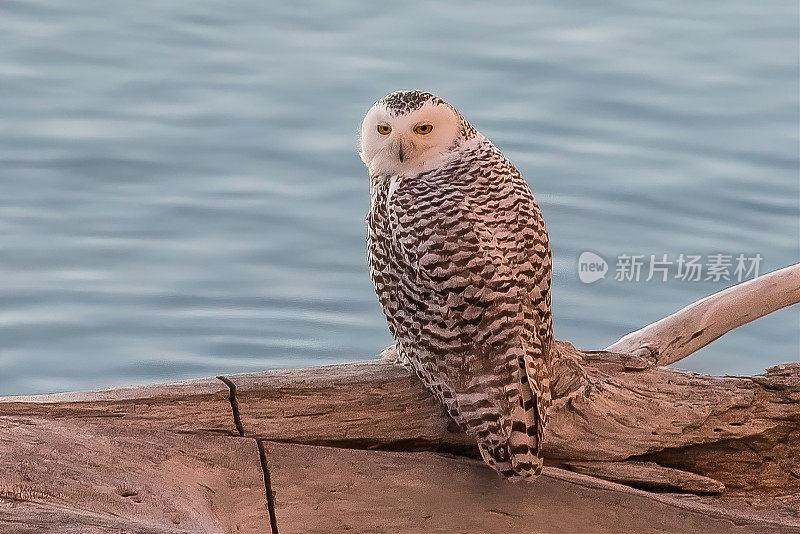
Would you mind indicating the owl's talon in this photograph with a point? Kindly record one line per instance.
(395, 357)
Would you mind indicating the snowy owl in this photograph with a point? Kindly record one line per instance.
(460, 260)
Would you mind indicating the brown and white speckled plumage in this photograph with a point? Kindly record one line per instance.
(459, 256)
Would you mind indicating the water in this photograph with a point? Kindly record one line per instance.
(180, 194)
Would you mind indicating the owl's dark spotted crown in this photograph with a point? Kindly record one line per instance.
(402, 102)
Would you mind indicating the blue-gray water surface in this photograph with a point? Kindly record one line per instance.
(180, 194)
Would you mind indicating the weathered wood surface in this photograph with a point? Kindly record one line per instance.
(190, 406)
(323, 490)
(81, 465)
(156, 485)
(184, 457)
(108, 475)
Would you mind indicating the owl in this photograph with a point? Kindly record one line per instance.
(460, 260)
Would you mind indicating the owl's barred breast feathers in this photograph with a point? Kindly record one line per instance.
(460, 260)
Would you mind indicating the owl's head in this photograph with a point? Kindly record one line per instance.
(407, 132)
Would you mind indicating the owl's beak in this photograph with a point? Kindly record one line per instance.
(404, 148)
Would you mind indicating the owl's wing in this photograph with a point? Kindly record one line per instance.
(469, 324)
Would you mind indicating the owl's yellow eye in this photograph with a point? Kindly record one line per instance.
(423, 129)
(384, 129)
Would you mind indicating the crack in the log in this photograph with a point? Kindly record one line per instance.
(648, 476)
(262, 453)
(237, 420)
(262, 456)
(400, 445)
(502, 512)
(697, 334)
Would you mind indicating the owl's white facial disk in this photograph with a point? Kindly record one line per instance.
(404, 150)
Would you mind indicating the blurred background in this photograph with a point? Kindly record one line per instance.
(180, 194)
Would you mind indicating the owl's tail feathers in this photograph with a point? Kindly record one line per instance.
(498, 458)
(519, 457)
(515, 459)
(524, 444)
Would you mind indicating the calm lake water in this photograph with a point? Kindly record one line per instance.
(180, 194)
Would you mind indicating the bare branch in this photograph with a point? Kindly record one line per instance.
(695, 326)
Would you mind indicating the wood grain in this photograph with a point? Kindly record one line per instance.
(322, 490)
(62, 475)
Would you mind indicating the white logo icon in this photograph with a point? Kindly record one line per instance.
(591, 267)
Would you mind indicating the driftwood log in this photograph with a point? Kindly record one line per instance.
(632, 447)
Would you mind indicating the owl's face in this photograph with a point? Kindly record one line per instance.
(408, 132)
